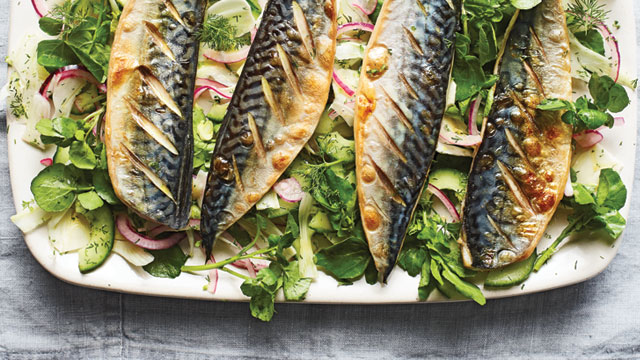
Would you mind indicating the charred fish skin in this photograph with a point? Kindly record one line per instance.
(274, 110)
(148, 136)
(399, 107)
(521, 167)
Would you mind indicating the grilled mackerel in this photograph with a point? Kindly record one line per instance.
(275, 108)
(149, 135)
(399, 107)
(520, 170)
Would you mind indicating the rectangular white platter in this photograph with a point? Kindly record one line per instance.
(578, 261)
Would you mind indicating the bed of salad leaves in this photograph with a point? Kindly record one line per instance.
(81, 32)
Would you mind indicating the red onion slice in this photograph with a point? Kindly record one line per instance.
(588, 138)
(39, 7)
(66, 72)
(202, 89)
(213, 276)
(342, 84)
(366, 6)
(473, 115)
(193, 223)
(289, 190)
(453, 138)
(354, 26)
(445, 201)
(46, 161)
(127, 231)
(210, 82)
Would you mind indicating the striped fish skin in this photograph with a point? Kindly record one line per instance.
(274, 110)
(399, 107)
(520, 170)
(151, 80)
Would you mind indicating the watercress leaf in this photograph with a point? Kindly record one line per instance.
(50, 25)
(262, 305)
(525, 4)
(618, 98)
(593, 119)
(435, 271)
(54, 188)
(611, 191)
(82, 156)
(426, 286)
(612, 222)
(166, 263)
(556, 104)
(465, 288)
(103, 187)
(347, 259)
(64, 127)
(599, 87)
(90, 200)
(54, 54)
(411, 260)
(592, 39)
(294, 287)
(371, 273)
(582, 195)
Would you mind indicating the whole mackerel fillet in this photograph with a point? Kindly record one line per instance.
(399, 108)
(149, 136)
(521, 167)
(281, 93)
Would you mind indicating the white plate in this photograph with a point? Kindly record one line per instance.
(576, 262)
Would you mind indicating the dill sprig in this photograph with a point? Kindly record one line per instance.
(587, 14)
(220, 34)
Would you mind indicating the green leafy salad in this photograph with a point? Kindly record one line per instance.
(310, 220)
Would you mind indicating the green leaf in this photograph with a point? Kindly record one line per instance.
(411, 260)
(613, 223)
(54, 188)
(593, 119)
(82, 156)
(582, 195)
(525, 4)
(54, 54)
(611, 191)
(262, 305)
(556, 104)
(607, 94)
(465, 288)
(295, 288)
(592, 39)
(90, 200)
(618, 99)
(426, 286)
(166, 263)
(50, 26)
(371, 273)
(347, 259)
(103, 187)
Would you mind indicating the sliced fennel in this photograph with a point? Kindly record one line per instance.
(585, 61)
(132, 254)
(30, 218)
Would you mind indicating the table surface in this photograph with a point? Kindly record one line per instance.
(42, 317)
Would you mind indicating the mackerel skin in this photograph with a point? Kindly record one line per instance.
(148, 135)
(399, 107)
(521, 167)
(274, 110)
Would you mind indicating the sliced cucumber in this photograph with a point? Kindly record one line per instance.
(513, 274)
(320, 222)
(101, 239)
(448, 179)
(217, 112)
(61, 156)
(256, 10)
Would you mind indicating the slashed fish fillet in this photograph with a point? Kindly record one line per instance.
(399, 107)
(275, 108)
(520, 170)
(149, 135)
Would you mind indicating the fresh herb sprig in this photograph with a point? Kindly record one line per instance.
(584, 113)
(593, 209)
(585, 15)
(220, 34)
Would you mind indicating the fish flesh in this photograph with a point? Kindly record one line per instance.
(400, 103)
(520, 169)
(275, 108)
(148, 132)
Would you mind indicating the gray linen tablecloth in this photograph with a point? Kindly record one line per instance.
(44, 318)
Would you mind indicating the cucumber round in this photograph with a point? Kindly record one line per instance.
(513, 274)
(448, 179)
(101, 239)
